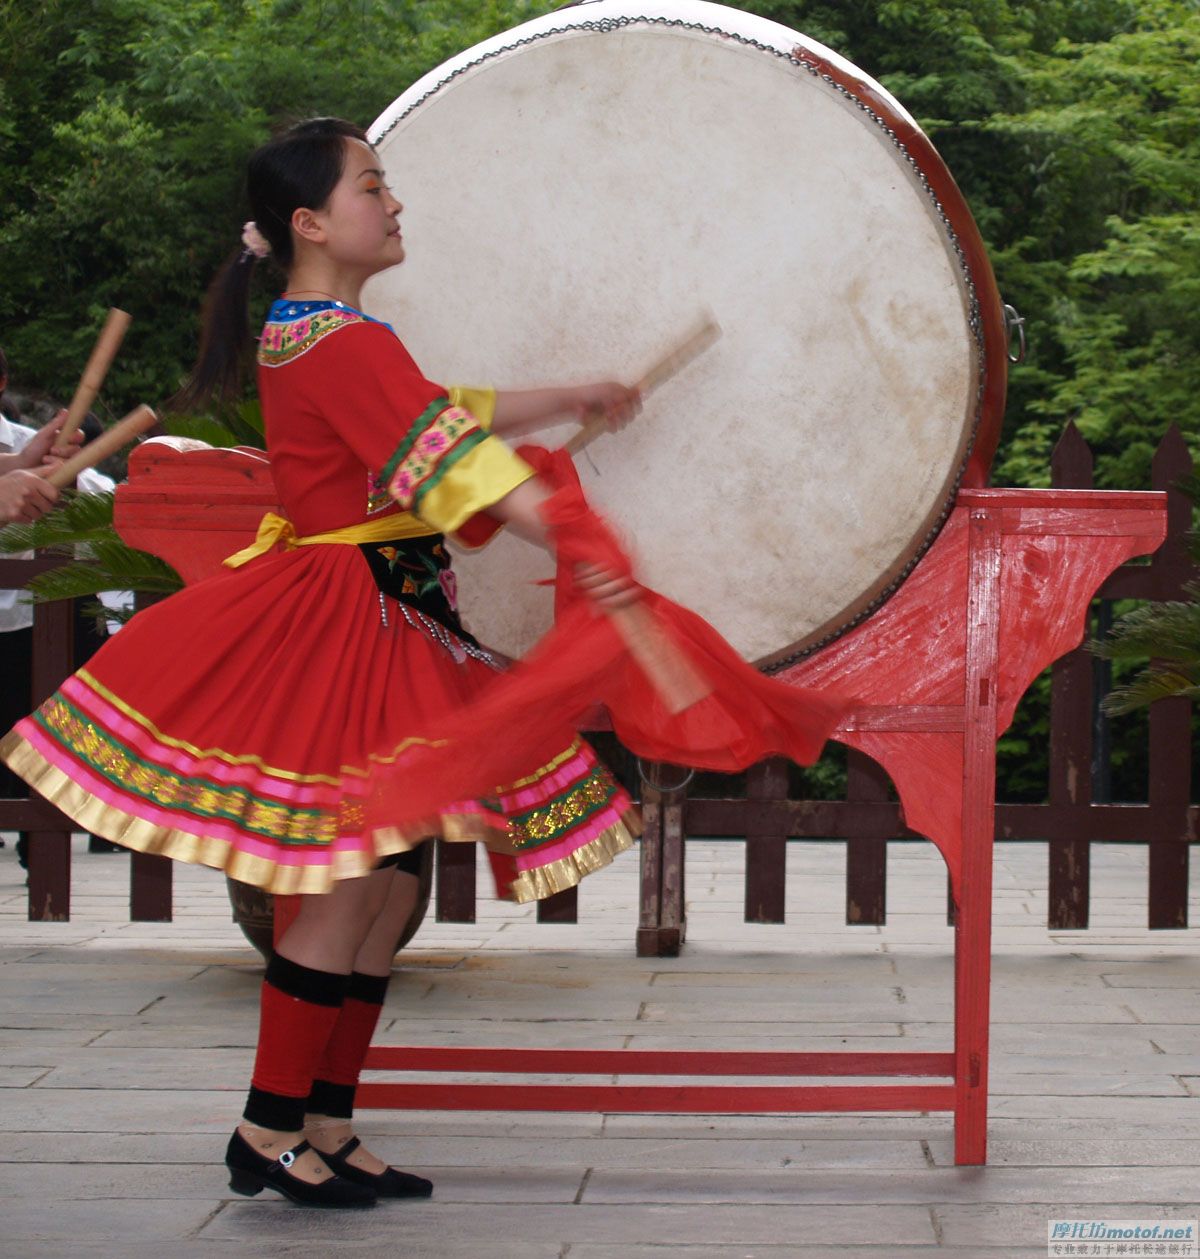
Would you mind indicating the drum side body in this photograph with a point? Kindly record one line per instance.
(192, 504)
(573, 201)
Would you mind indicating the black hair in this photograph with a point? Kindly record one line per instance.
(299, 168)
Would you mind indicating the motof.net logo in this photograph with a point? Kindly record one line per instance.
(1130, 1239)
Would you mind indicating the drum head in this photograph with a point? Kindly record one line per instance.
(578, 191)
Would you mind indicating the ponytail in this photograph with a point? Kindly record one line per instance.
(225, 343)
(297, 169)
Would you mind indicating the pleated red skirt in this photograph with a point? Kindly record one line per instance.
(235, 725)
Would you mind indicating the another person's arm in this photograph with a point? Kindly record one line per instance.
(44, 449)
(24, 496)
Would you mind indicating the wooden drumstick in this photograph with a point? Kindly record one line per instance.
(672, 675)
(103, 353)
(673, 362)
(678, 684)
(112, 439)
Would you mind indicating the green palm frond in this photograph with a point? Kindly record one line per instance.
(1166, 631)
(1155, 682)
(81, 527)
(111, 566)
(78, 518)
(240, 425)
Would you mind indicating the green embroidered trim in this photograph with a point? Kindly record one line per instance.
(114, 761)
(447, 461)
(419, 425)
(566, 812)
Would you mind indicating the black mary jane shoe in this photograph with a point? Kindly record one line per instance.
(251, 1172)
(392, 1183)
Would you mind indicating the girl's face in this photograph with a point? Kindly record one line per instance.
(359, 225)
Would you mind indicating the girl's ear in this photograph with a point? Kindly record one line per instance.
(308, 226)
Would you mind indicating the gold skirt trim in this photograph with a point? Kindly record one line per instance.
(557, 876)
(141, 835)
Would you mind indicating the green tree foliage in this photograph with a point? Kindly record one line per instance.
(1073, 129)
(124, 128)
(1168, 634)
(1072, 126)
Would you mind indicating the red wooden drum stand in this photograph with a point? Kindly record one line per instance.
(939, 669)
(1002, 593)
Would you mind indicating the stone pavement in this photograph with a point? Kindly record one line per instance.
(125, 1049)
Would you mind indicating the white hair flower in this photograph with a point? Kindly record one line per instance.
(255, 242)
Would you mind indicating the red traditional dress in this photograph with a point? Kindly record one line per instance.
(236, 724)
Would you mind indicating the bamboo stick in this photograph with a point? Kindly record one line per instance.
(103, 353)
(112, 439)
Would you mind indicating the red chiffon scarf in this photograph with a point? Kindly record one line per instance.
(529, 714)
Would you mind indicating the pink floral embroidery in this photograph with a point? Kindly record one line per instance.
(449, 584)
(432, 442)
(282, 342)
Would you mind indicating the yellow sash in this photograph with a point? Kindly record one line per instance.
(273, 530)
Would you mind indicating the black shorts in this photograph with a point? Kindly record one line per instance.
(408, 862)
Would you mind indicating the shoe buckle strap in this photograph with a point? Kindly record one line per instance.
(288, 1157)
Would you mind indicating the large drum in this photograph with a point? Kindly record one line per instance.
(579, 190)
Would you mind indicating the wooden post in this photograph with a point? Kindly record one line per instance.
(766, 841)
(455, 882)
(151, 888)
(662, 916)
(866, 854)
(1071, 733)
(561, 907)
(50, 850)
(1171, 719)
(650, 879)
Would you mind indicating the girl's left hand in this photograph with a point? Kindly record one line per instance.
(608, 591)
(609, 400)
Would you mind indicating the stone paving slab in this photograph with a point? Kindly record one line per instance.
(1081, 1152)
(794, 1248)
(99, 1226)
(1014, 1225)
(429, 1152)
(731, 1226)
(124, 1047)
(208, 1181)
(852, 1186)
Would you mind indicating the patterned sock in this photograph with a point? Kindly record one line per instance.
(340, 1066)
(300, 1007)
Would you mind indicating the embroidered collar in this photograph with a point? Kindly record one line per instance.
(294, 327)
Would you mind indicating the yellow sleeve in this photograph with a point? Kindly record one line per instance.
(480, 402)
(448, 467)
